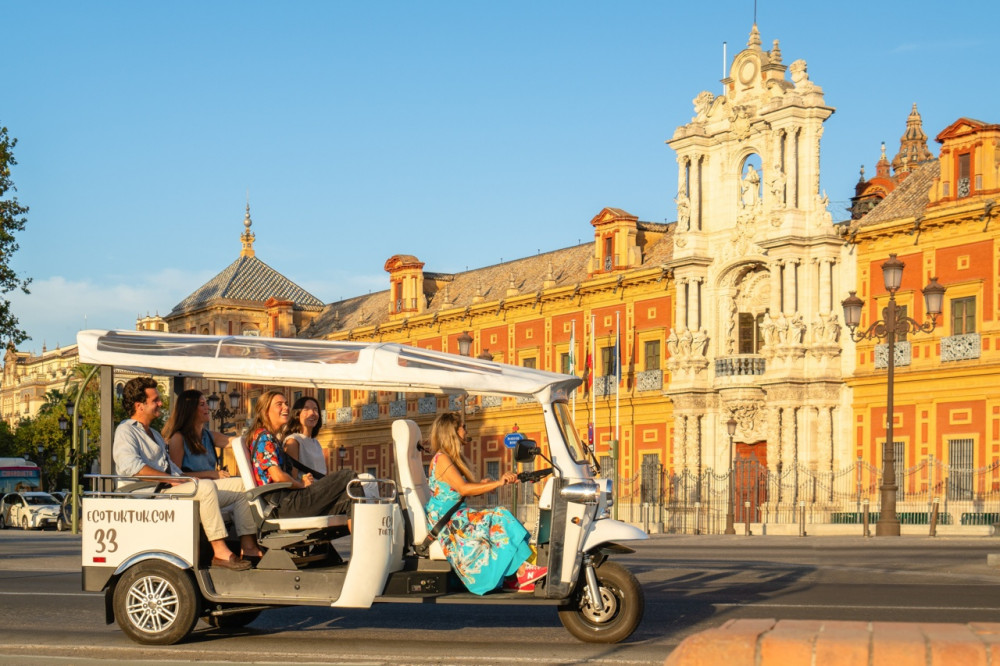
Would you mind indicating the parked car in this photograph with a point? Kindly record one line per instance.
(29, 510)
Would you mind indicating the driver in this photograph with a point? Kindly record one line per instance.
(139, 450)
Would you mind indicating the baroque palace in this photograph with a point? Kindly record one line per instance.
(731, 313)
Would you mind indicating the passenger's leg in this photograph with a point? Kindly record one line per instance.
(327, 496)
(208, 511)
(231, 493)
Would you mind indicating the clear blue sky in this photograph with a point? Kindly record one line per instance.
(461, 132)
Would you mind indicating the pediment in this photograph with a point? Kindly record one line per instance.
(609, 215)
(963, 127)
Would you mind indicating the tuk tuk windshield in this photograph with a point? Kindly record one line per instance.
(564, 418)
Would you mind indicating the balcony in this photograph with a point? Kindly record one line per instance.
(961, 347)
(904, 353)
(649, 380)
(741, 365)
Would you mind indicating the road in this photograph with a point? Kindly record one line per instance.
(691, 583)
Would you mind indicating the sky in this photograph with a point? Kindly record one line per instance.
(465, 133)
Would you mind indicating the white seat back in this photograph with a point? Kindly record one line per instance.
(412, 480)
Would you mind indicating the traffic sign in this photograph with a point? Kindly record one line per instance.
(511, 439)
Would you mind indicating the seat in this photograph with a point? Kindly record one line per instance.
(275, 533)
(414, 488)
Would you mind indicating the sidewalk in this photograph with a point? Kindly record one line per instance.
(840, 643)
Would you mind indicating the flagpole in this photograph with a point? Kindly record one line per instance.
(593, 387)
(572, 362)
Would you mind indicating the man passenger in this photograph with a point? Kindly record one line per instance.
(139, 450)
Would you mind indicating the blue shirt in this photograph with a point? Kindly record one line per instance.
(200, 462)
(133, 449)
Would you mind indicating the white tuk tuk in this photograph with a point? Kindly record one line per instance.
(147, 553)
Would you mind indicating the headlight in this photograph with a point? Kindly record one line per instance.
(584, 492)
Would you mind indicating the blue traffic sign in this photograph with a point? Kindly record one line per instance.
(511, 439)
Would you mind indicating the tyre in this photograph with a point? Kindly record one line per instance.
(61, 524)
(24, 522)
(231, 620)
(3, 522)
(156, 603)
(623, 601)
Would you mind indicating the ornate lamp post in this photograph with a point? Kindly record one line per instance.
(341, 454)
(892, 324)
(730, 518)
(218, 406)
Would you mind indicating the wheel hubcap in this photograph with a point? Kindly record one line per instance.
(610, 601)
(152, 604)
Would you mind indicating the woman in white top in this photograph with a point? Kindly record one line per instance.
(300, 438)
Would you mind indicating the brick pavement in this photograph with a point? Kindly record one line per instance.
(841, 643)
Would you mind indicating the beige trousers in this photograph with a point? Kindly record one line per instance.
(213, 495)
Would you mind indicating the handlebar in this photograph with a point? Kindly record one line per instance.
(534, 476)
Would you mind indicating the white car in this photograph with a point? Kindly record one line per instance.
(29, 510)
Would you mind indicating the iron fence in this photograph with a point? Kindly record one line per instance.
(686, 502)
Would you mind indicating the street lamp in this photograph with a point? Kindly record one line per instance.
(730, 518)
(218, 406)
(892, 324)
(464, 343)
(341, 454)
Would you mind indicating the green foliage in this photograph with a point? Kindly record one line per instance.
(12, 220)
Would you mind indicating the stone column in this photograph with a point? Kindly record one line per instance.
(824, 452)
(696, 306)
(789, 429)
(788, 302)
(695, 187)
(682, 304)
(775, 270)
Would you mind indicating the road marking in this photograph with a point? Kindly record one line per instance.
(834, 607)
(49, 594)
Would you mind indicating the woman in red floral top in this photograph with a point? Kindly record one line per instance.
(307, 496)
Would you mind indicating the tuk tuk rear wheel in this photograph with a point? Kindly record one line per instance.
(624, 604)
(156, 603)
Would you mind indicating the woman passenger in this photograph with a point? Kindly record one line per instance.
(484, 547)
(307, 496)
(190, 443)
(191, 446)
(300, 440)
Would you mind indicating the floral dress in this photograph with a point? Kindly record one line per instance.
(484, 546)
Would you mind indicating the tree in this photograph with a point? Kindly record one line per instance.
(12, 220)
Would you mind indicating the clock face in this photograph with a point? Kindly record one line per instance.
(747, 71)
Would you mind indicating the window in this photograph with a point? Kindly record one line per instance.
(492, 472)
(963, 187)
(649, 487)
(651, 354)
(609, 257)
(607, 361)
(529, 362)
(899, 452)
(564, 364)
(960, 469)
(749, 333)
(963, 315)
(345, 397)
(901, 314)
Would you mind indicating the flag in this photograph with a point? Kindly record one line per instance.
(588, 371)
(590, 434)
(572, 350)
(618, 357)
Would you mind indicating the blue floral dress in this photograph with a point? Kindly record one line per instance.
(484, 546)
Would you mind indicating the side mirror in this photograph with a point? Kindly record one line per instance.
(525, 451)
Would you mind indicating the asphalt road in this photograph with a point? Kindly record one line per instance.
(691, 583)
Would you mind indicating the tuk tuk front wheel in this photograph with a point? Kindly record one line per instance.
(623, 602)
(156, 603)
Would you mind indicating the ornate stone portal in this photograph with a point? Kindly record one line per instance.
(758, 266)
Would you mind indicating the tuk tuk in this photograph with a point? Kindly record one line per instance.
(146, 551)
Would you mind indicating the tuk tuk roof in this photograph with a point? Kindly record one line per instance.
(382, 366)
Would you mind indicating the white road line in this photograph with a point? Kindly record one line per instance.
(50, 594)
(841, 607)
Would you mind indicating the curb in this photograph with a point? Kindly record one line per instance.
(835, 643)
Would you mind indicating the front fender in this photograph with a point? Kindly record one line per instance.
(608, 530)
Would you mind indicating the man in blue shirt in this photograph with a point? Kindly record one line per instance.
(139, 450)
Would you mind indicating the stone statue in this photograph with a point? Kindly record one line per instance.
(750, 189)
(781, 329)
(796, 330)
(833, 329)
(699, 346)
(684, 344)
(778, 188)
(672, 343)
(702, 104)
(683, 211)
(819, 330)
(767, 330)
(800, 77)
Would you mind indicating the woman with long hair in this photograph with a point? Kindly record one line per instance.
(486, 548)
(307, 496)
(304, 422)
(191, 446)
(190, 443)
